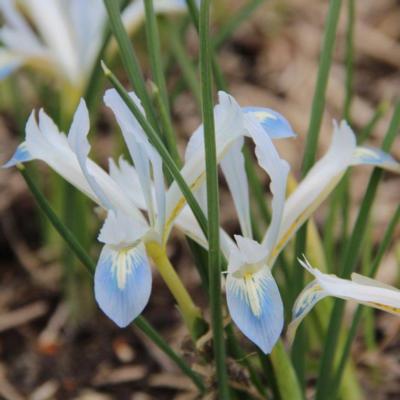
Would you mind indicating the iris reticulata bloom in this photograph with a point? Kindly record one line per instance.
(141, 211)
(63, 37)
(253, 297)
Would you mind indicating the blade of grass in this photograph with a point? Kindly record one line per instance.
(350, 260)
(384, 245)
(161, 93)
(214, 261)
(89, 264)
(129, 58)
(317, 109)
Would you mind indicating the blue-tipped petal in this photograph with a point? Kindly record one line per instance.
(376, 157)
(122, 283)
(275, 124)
(255, 305)
(21, 155)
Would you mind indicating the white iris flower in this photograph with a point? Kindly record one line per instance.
(62, 37)
(253, 297)
(142, 211)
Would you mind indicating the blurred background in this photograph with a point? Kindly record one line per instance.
(50, 349)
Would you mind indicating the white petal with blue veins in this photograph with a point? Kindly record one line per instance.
(122, 283)
(255, 306)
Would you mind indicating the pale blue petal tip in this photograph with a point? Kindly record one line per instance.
(375, 156)
(276, 126)
(123, 305)
(8, 69)
(21, 155)
(265, 329)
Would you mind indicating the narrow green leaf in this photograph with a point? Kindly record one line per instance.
(214, 261)
(129, 58)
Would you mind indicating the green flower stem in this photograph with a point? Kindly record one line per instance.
(190, 312)
(87, 262)
(288, 385)
(129, 58)
(350, 260)
(162, 150)
(381, 110)
(214, 261)
(387, 237)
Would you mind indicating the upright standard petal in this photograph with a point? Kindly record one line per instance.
(143, 154)
(255, 306)
(228, 127)
(77, 139)
(278, 170)
(360, 289)
(274, 124)
(234, 170)
(122, 283)
(316, 186)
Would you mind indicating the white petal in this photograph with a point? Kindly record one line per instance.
(128, 180)
(121, 230)
(77, 139)
(278, 170)
(133, 15)
(50, 19)
(142, 153)
(361, 289)
(45, 142)
(234, 170)
(255, 306)
(228, 127)
(122, 283)
(317, 185)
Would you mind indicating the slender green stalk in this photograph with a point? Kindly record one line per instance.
(349, 59)
(162, 150)
(87, 262)
(167, 125)
(288, 385)
(129, 58)
(314, 126)
(153, 45)
(231, 25)
(214, 261)
(184, 63)
(387, 237)
(350, 259)
(318, 103)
